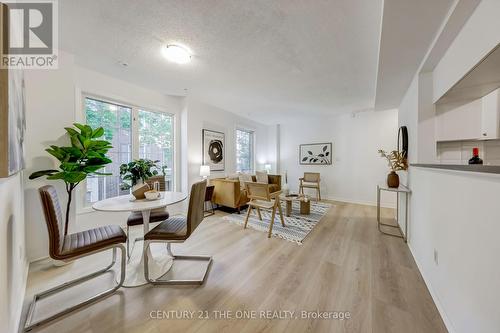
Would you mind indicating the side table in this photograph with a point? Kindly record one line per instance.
(401, 189)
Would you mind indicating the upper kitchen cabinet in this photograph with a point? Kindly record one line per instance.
(490, 115)
(470, 109)
(469, 120)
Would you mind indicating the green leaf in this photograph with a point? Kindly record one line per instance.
(76, 143)
(86, 130)
(69, 166)
(92, 168)
(98, 133)
(59, 175)
(42, 173)
(56, 152)
(72, 151)
(71, 131)
(74, 177)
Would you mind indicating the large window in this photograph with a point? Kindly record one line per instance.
(244, 151)
(117, 123)
(156, 140)
(134, 133)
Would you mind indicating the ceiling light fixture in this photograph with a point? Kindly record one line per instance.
(176, 53)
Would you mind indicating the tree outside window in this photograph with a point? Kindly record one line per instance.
(244, 151)
(155, 133)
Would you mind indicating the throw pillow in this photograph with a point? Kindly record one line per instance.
(244, 177)
(262, 177)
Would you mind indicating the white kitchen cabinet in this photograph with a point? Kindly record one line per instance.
(490, 116)
(472, 120)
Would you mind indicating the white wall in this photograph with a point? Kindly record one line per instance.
(454, 213)
(357, 167)
(200, 116)
(53, 101)
(13, 263)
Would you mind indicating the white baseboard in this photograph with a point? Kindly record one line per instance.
(435, 298)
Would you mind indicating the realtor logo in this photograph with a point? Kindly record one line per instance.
(29, 34)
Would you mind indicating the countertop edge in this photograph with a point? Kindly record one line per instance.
(495, 169)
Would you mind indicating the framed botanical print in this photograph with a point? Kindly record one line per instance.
(214, 149)
(315, 154)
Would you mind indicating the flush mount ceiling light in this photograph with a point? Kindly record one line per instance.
(176, 53)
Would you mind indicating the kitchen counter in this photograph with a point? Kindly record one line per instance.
(461, 167)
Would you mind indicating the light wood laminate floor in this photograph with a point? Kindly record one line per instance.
(345, 264)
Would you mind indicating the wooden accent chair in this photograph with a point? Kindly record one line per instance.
(73, 246)
(177, 229)
(311, 180)
(157, 215)
(260, 197)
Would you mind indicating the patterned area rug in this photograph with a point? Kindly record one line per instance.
(297, 226)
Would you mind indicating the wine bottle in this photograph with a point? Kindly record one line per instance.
(475, 157)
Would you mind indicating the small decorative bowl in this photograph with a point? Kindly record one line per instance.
(152, 195)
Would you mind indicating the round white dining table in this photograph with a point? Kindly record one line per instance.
(134, 276)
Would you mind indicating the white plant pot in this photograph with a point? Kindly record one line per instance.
(136, 186)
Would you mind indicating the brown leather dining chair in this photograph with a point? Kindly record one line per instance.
(74, 246)
(178, 229)
(157, 215)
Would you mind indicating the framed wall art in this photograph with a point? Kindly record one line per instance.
(214, 149)
(315, 154)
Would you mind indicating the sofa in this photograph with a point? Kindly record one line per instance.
(229, 192)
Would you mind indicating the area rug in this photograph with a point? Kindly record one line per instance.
(297, 226)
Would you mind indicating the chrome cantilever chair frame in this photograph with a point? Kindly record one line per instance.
(186, 224)
(28, 326)
(209, 260)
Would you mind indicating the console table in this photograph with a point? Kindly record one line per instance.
(401, 189)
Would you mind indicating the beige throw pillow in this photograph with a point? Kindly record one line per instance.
(261, 177)
(245, 177)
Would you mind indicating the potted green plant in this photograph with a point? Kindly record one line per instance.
(85, 156)
(138, 171)
(397, 162)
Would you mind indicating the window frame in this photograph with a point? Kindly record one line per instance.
(81, 205)
(253, 153)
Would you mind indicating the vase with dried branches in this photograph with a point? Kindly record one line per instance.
(396, 161)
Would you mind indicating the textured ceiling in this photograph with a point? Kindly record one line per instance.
(250, 57)
(258, 58)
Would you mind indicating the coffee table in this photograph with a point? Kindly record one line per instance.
(305, 203)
